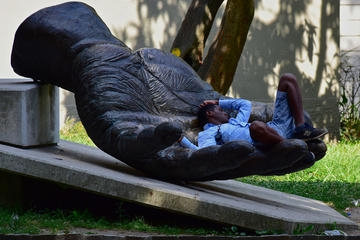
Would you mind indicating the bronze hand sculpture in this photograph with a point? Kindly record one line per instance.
(135, 105)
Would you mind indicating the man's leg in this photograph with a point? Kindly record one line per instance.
(288, 83)
(261, 132)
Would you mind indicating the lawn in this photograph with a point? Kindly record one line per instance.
(334, 180)
(64, 221)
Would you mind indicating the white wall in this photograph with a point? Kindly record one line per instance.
(350, 30)
(301, 37)
(350, 46)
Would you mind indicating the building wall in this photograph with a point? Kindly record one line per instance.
(298, 36)
(350, 30)
(301, 37)
(350, 45)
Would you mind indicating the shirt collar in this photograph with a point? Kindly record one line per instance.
(208, 125)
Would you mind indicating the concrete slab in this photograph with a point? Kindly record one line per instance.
(228, 201)
(29, 113)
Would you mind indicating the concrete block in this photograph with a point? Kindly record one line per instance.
(29, 113)
(229, 202)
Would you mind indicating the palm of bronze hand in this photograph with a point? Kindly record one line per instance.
(142, 108)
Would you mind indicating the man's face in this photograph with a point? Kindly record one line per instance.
(218, 115)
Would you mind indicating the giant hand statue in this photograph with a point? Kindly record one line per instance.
(135, 105)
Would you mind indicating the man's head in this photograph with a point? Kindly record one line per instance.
(212, 113)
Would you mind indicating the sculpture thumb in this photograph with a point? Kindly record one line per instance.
(47, 42)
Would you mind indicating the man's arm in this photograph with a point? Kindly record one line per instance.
(186, 143)
(241, 105)
(207, 138)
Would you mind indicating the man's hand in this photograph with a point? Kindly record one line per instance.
(180, 139)
(207, 102)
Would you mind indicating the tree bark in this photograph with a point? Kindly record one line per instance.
(190, 40)
(220, 64)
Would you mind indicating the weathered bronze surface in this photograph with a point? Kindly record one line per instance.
(136, 104)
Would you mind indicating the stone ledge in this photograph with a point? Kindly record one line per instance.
(29, 113)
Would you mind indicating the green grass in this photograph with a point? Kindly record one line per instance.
(335, 179)
(75, 132)
(63, 221)
(16, 221)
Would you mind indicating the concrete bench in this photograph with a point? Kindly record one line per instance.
(29, 113)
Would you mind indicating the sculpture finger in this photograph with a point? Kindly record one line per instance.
(168, 133)
(190, 165)
(218, 159)
(305, 162)
(153, 139)
(283, 156)
(317, 150)
(318, 147)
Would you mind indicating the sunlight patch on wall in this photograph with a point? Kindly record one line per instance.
(158, 28)
(330, 81)
(273, 81)
(151, 25)
(268, 10)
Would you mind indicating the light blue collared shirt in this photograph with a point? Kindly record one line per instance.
(236, 129)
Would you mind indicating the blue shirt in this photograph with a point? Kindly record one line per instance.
(236, 129)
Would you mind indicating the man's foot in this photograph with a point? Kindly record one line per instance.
(306, 132)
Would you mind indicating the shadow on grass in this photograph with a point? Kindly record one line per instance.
(60, 207)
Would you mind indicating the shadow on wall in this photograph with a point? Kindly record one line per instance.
(271, 48)
(279, 47)
(149, 12)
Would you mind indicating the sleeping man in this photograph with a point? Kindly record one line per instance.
(288, 120)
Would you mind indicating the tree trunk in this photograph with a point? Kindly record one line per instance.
(190, 40)
(220, 64)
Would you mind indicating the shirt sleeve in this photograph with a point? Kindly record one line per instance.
(186, 143)
(206, 138)
(241, 105)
